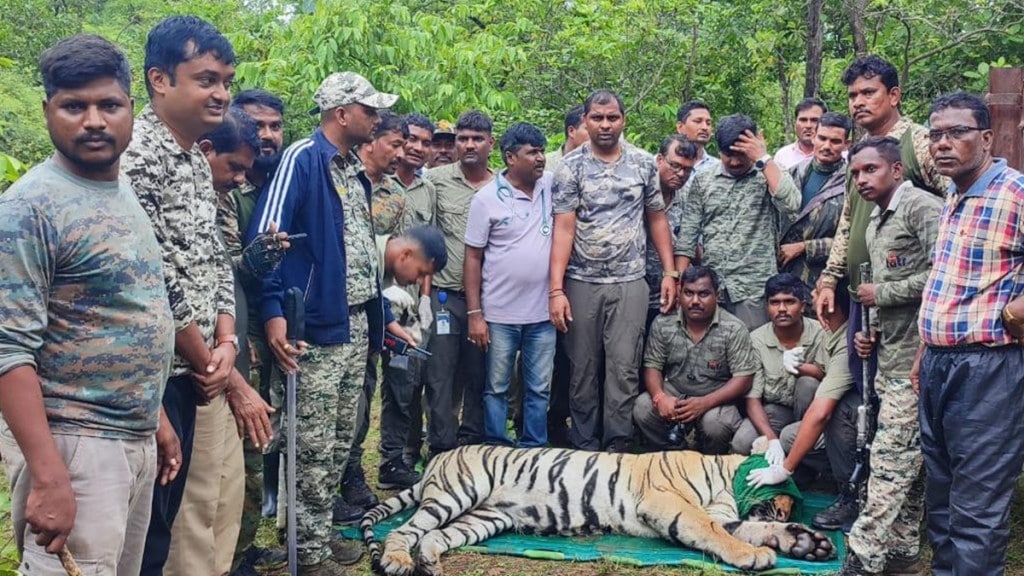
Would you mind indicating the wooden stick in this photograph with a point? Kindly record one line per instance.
(68, 562)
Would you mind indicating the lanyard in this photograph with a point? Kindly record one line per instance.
(506, 195)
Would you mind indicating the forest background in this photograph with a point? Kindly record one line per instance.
(531, 60)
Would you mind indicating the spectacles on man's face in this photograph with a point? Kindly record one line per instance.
(954, 133)
(678, 168)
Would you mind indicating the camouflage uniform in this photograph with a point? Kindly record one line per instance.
(698, 368)
(900, 242)
(674, 213)
(605, 285)
(85, 308)
(815, 224)
(740, 222)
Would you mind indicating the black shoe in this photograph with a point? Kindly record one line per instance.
(395, 475)
(266, 557)
(245, 569)
(346, 552)
(269, 505)
(345, 514)
(840, 515)
(853, 567)
(356, 492)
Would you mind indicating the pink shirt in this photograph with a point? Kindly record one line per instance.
(790, 155)
(514, 231)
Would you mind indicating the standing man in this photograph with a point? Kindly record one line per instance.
(808, 112)
(693, 120)
(509, 226)
(456, 368)
(676, 159)
(189, 70)
(972, 369)
(575, 135)
(86, 333)
(737, 209)
(320, 184)
(807, 236)
(442, 145)
(605, 199)
(900, 237)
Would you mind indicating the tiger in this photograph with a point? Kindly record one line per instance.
(472, 493)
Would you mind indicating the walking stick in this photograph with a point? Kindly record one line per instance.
(295, 316)
(68, 562)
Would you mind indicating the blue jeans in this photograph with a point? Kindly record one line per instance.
(536, 344)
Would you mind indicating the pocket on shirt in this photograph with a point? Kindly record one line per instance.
(451, 215)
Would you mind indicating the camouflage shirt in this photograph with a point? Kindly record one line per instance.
(454, 194)
(674, 213)
(900, 240)
(609, 200)
(389, 206)
(741, 224)
(699, 368)
(772, 384)
(84, 302)
(175, 188)
(360, 250)
(231, 228)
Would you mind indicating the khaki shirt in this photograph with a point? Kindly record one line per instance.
(772, 384)
(699, 368)
(453, 194)
(837, 380)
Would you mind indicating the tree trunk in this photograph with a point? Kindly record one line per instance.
(787, 116)
(688, 86)
(856, 10)
(815, 41)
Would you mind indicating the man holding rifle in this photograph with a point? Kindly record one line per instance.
(900, 236)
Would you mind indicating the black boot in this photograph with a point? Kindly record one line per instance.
(840, 515)
(345, 514)
(395, 475)
(354, 488)
(271, 463)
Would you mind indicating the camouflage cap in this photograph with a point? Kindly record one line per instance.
(343, 88)
(444, 128)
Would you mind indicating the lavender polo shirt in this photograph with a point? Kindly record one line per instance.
(510, 228)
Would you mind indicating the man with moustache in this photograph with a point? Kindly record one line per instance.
(807, 236)
(970, 365)
(575, 135)
(808, 112)
(606, 202)
(442, 145)
(321, 182)
(509, 225)
(697, 363)
(189, 69)
(86, 332)
(456, 370)
(693, 120)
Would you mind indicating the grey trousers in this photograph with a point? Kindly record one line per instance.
(751, 312)
(605, 346)
(714, 432)
(784, 420)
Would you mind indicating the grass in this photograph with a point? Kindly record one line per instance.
(471, 564)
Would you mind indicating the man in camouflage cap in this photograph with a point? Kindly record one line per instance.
(443, 145)
(321, 182)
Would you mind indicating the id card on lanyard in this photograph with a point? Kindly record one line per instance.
(444, 317)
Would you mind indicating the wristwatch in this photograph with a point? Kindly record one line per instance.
(670, 274)
(229, 339)
(761, 162)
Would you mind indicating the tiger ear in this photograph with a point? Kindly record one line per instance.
(760, 445)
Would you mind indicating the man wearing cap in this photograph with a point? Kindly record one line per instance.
(442, 145)
(320, 190)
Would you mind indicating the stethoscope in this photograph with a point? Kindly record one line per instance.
(507, 196)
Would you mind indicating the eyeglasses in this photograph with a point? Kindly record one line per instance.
(679, 168)
(954, 133)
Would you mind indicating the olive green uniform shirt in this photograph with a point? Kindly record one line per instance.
(772, 384)
(453, 195)
(837, 380)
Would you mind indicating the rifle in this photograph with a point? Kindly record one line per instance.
(867, 412)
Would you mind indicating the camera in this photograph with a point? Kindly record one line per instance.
(677, 434)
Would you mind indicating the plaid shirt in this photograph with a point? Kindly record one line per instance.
(977, 263)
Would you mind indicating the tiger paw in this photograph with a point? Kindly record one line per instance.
(759, 558)
(429, 569)
(798, 541)
(397, 563)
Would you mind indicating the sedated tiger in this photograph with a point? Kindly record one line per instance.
(475, 492)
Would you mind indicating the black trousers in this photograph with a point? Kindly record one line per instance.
(972, 436)
(179, 403)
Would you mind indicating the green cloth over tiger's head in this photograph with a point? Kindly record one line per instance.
(747, 497)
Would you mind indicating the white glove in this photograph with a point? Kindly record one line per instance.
(792, 359)
(768, 476)
(399, 298)
(775, 455)
(426, 315)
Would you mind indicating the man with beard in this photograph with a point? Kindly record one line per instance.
(808, 112)
(456, 369)
(189, 70)
(791, 350)
(697, 363)
(320, 183)
(86, 333)
(575, 135)
(442, 145)
(606, 202)
(807, 236)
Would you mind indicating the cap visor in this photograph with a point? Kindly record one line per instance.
(380, 100)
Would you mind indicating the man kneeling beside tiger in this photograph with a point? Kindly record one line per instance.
(475, 492)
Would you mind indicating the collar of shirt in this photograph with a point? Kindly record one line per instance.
(163, 133)
(681, 320)
(830, 169)
(894, 202)
(706, 161)
(725, 173)
(898, 129)
(539, 187)
(981, 184)
(806, 337)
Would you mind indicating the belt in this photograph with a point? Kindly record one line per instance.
(451, 292)
(961, 348)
